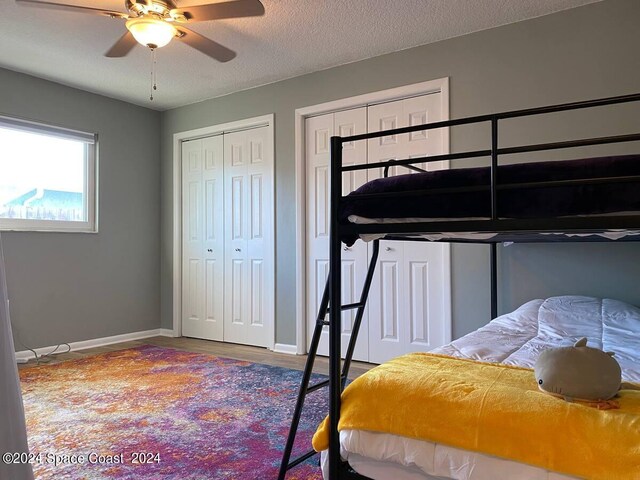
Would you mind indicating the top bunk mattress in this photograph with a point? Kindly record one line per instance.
(397, 205)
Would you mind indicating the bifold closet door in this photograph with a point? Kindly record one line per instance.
(248, 232)
(202, 238)
(318, 131)
(409, 295)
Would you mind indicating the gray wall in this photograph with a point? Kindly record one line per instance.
(66, 287)
(578, 54)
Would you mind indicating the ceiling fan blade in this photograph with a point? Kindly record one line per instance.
(123, 46)
(216, 11)
(74, 8)
(205, 45)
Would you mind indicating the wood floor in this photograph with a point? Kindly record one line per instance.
(229, 350)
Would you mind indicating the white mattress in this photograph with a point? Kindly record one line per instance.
(613, 234)
(516, 338)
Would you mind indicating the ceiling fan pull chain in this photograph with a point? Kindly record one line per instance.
(153, 73)
(155, 69)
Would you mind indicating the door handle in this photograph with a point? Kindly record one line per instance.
(210, 250)
(346, 249)
(237, 249)
(389, 249)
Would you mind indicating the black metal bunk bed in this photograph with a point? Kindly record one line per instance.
(502, 229)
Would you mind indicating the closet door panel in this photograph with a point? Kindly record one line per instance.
(417, 111)
(405, 113)
(213, 238)
(388, 304)
(192, 253)
(318, 131)
(385, 116)
(354, 258)
(235, 245)
(202, 238)
(249, 252)
(260, 254)
(387, 319)
(416, 280)
(425, 274)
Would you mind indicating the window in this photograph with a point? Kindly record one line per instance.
(47, 178)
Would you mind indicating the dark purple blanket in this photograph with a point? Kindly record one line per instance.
(525, 202)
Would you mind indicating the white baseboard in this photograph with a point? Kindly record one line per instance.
(98, 342)
(167, 332)
(285, 348)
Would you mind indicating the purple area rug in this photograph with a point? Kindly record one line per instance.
(159, 413)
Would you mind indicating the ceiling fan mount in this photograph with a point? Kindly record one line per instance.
(154, 23)
(163, 8)
(142, 7)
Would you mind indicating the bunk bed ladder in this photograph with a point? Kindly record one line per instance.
(305, 388)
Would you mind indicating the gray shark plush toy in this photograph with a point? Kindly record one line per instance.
(578, 373)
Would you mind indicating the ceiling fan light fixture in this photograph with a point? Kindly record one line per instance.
(150, 31)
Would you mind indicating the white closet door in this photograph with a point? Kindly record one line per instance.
(202, 241)
(249, 255)
(318, 131)
(408, 295)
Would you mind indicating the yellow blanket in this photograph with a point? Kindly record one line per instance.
(493, 409)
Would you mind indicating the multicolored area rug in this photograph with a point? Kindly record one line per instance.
(179, 415)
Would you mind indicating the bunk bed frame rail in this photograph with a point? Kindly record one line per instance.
(339, 470)
(518, 228)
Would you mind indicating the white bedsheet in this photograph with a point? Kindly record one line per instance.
(613, 234)
(516, 338)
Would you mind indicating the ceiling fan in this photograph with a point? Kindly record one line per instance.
(154, 23)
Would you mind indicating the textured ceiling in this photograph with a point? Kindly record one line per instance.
(293, 38)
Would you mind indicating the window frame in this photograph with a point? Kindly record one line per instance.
(90, 225)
